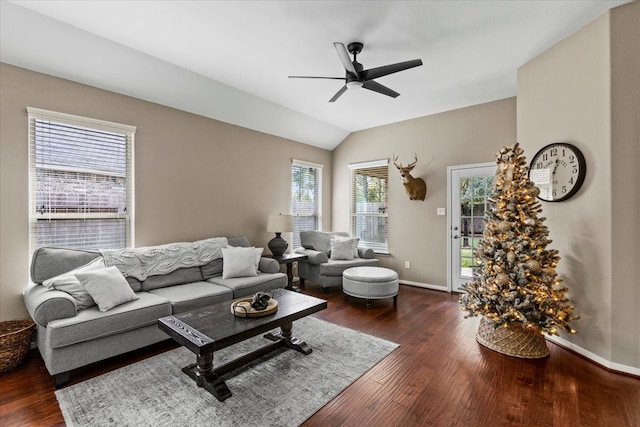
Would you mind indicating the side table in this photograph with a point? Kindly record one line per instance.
(288, 260)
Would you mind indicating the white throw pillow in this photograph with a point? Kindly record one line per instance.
(258, 255)
(342, 249)
(108, 287)
(69, 283)
(355, 241)
(238, 262)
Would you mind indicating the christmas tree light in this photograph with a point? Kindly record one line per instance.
(516, 280)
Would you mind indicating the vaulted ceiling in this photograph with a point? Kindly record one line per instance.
(230, 60)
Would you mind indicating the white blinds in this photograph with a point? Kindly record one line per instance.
(81, 181)
(305, 197)
(369, 204)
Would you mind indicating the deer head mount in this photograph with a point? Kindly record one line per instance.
(416, 188)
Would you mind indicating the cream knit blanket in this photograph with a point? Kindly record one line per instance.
(163, 259)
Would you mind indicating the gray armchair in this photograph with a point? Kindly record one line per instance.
(323, 269)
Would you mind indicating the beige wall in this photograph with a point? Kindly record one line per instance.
(416, 233)
(625, 157)
(195, 177)
(570, 93)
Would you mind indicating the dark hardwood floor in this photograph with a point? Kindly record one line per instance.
(439, 376)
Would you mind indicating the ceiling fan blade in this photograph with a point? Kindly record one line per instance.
(377, 87)
(316, 77)
(342, 90)
(344, 58)
(385, 70)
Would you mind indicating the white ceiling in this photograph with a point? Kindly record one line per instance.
(229, 60)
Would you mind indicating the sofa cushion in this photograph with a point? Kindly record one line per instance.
(135, 284)
(91, 323)
(240, 241)
(214, 268)
(50, 262)
(176, 277)
(193, 295)
(336, 267)
(107, 286)
(245, 286)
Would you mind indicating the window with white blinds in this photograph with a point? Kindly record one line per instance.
(81, 181)
(305, 197)
(369, 204)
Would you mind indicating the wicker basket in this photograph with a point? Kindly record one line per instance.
(15, 340)
(512, 340)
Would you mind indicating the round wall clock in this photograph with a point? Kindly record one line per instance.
(558, 170)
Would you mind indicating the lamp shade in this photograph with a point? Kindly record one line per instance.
(280, 223)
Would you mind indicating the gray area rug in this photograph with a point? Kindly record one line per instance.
(281, 389)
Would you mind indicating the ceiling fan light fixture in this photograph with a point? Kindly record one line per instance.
(354, 84)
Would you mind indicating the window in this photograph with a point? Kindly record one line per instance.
(306, 193)
(369, 204)
(81, 181)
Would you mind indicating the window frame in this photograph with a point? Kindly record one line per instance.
(319, 167)
(378, 248)
(128, 214)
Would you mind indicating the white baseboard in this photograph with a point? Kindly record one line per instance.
(594, 357)
(424, 285)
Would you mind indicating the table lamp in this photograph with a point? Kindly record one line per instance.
(279, 224)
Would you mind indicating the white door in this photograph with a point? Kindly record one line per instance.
(468, 189)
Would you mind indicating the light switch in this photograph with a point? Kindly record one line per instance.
(441, 211)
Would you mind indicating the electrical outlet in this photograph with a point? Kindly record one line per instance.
(407, 264)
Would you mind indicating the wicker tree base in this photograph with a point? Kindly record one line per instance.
(512, 340)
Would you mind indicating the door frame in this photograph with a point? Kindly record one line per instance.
(450, 170)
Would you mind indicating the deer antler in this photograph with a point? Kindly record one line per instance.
(395, 158)
(415, 157)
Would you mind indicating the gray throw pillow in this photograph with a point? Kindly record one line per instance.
(108, 287)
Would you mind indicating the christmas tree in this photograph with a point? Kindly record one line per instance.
(516, 280)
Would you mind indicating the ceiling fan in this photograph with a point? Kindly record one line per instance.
(356, 77)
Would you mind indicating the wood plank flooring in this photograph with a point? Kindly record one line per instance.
(439, 376)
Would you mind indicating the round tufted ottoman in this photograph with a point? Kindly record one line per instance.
(370, 283)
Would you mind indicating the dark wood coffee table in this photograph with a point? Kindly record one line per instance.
(212, 328)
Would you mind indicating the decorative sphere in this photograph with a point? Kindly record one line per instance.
(533, 265)
(504, 226)
(530, 221)
(502, 279)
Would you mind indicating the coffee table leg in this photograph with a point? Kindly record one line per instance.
(286, 337)
(203, 374)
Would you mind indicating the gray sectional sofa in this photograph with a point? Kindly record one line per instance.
(323, 267)
(69, 337)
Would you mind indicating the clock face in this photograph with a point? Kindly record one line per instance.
(558, 170)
